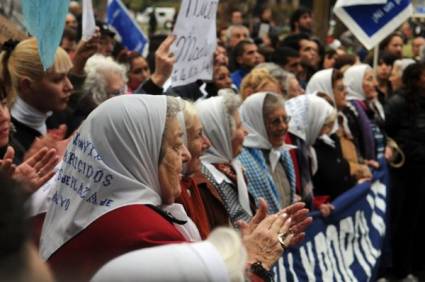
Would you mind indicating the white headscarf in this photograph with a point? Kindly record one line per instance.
(215, 123)
(111, 162)
(321, 81)
(308, 115)
(220, 258)
(353, 80)
(253, 120)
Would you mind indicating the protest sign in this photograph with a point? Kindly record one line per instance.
(195, 32)
(346, 246)
(131, 34)
(372, 20)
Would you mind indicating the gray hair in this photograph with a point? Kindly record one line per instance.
(174, 106)
(402, 64)
(281, 75)
(97, 67)
(271, 102)
(232, 103)
(230, 29)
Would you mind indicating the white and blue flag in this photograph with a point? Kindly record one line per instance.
(131, 34)
(373, 20)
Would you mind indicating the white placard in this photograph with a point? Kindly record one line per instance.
(196, 40)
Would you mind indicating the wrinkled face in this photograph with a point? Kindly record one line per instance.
(238, 34)
(417, 43)
(294, 88)
(170, 167)
(52, 92)
(198, 144)
(139, 72)
(369, 85)
(309, 52)
(250, 57)
(115, 85)
(294, 66)
(4, 124)
(340, 94)
(395, 47)
(327, 128)
(395, 78)
(276, 123)
(222, 78)
(239, 134)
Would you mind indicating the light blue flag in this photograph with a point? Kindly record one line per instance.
(45, 19)
(131, 34)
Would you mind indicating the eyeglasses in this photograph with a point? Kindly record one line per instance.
(279, 120)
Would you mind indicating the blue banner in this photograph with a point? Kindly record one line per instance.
(131, 34)
(346, 246)
(372, 21)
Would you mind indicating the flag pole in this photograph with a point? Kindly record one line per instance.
(375, 57)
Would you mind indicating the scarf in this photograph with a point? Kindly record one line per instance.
(111, 162)
(215, 123)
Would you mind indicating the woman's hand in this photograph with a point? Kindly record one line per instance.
(299, 223)
(262, 243)
(164, 62)
(326, 209)
(33, 172)
(37, 170)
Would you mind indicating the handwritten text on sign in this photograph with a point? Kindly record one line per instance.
(195, 43)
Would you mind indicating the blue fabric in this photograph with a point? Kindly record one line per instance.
(372, 18)
(45, 20)
(237, 76)
(349, 244)
(131, 34)
(260, 180)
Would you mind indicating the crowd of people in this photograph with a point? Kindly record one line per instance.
(108, 173)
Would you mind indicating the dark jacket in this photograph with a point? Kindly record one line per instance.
(333, 175)
(407, 127)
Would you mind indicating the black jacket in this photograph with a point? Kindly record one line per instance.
(407, 127)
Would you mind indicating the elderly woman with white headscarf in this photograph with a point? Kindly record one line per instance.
(204, 202)
(117, 186)
(268, 164)
(311, 117)
(367, 122)
(330, 82)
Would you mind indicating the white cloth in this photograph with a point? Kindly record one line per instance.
(111, 162)
(89, 25)
(253, 120)
(199, 261)
(353, 80)
(321, 81)
(215, 123)
(308, 115)
(30, 116)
